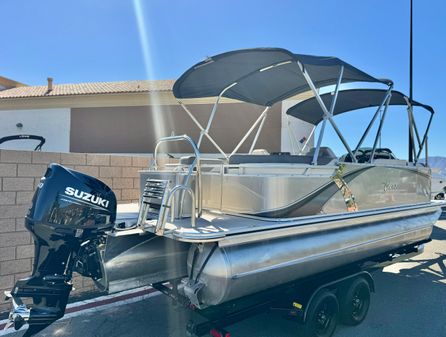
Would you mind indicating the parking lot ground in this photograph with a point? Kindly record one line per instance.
(410, 301)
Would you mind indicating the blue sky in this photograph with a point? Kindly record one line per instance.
(93, 40)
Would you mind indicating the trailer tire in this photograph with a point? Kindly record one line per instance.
(322, 315)
(354, 301)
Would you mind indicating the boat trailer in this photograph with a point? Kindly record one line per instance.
(316, 303)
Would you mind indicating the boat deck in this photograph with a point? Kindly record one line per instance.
(235, 229)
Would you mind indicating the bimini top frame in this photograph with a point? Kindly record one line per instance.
(310, 111)
(265, 76)
(348, 100)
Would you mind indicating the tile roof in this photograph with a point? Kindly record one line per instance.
(88, 89)
(6, 83)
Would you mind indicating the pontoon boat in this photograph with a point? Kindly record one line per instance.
(221, 228)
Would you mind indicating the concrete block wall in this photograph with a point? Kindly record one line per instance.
(20, 173)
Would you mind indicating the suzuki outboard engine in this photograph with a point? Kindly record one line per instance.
(70, 212)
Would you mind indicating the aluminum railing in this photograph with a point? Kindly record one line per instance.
(159, 229)
(196, 164)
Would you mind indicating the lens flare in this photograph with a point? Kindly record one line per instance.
(160, 121)
(156, 124)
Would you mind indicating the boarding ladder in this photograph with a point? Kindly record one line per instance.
(157, 200)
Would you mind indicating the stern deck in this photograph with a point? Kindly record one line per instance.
(230, 229)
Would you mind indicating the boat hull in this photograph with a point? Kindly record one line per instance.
(234, 271)
(131, 261)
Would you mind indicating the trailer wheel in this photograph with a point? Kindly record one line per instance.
(355, 301)
(322, 315)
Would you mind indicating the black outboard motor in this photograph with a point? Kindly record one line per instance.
(69, 214)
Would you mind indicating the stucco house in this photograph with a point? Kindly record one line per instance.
(128, 117)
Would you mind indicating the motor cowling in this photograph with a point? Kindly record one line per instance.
(70, 211)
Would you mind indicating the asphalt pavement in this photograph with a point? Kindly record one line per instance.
(410, 301)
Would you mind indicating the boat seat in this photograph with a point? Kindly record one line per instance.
(276, 158)
(187, 160)
(260, 151)
(324, 152)
(363, 155)
(326, 155)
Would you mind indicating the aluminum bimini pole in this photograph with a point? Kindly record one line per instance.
(327, 114)
(259, 119)
(201, 128)
(366, 132)
(424, 142)
(378, 132)
(306, 142)
(413, 127)
(258, 133)
(414, 124)
(319, 141)
(411, 136)
(211, 117)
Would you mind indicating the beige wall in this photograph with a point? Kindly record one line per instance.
(20, 172)
(52, 124)
(135, 129)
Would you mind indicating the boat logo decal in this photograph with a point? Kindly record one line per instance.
(389, 186)
(97, 200)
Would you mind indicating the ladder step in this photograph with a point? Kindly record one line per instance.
(153, 196)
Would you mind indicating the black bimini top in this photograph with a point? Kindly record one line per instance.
(263, 76)
(310, 111)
